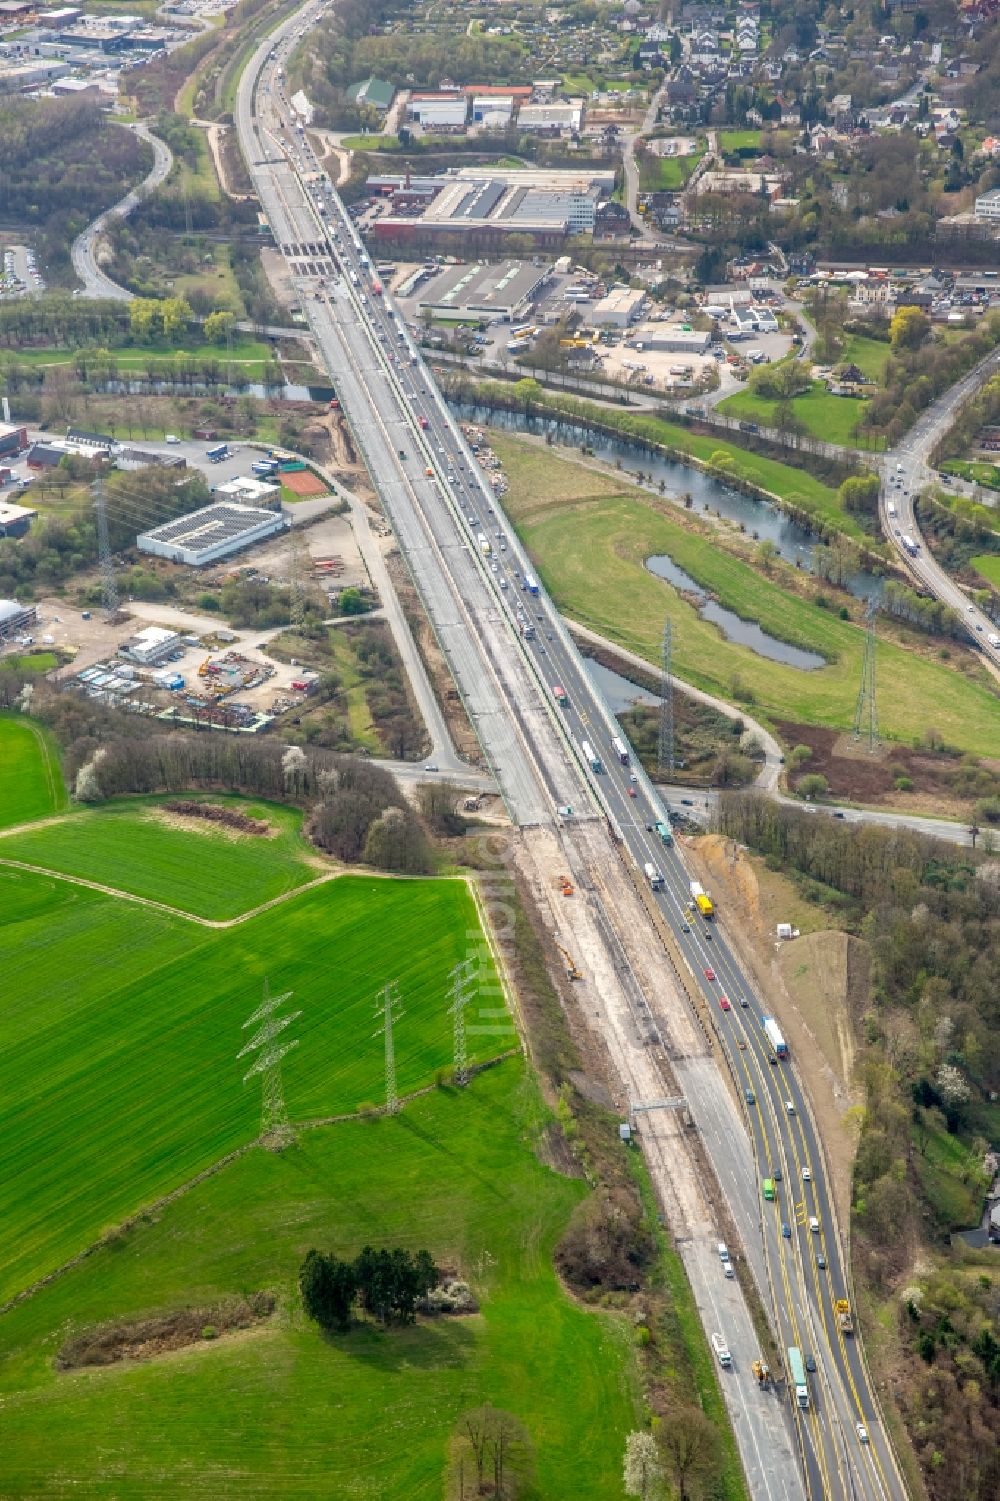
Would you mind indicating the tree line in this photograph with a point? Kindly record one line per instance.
(385, 1285)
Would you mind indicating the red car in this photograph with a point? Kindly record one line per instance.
(631, 792)
(724, 1003)
(710, 974)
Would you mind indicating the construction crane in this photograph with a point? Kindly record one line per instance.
(572, 972)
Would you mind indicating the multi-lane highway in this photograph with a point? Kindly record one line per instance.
(558, 765)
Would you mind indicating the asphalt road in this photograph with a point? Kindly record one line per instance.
(84, 249)
(905, 472)
(559, 763)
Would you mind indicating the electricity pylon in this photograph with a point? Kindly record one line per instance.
(463, 979)
(109, 584)
(275, 1128)
(387, 1006)
(665, 754)
(866, 708)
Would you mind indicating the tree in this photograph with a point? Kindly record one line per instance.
(643, 1470)
(909, 328)
(952, 1086)
(690, 1444)
(218, 326)
(814, 784)
(329, 1287)
(859, 494)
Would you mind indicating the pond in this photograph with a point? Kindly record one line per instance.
(733, 627)
(759, 518)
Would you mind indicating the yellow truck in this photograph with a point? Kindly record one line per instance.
(701, 899)
(845, 1322)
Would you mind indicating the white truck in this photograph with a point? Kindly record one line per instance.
(653, 876)
(721, 1351)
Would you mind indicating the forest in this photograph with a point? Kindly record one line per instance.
(62, 162)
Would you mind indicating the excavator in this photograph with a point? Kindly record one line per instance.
(572, 972)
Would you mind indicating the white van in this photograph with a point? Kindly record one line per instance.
(723, 1251)
(814, 1224)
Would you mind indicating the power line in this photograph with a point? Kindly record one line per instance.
(866, 708)
(109, 584)
(275, 1128)
(387, 1006)
(463, 980)
(665, 747)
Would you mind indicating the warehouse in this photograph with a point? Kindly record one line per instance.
(622, 306)
(670, 339)
(15, 520)
(212, 533)
(13, 438)
(15, 617)
(502, 292)
(438, 111)
(492, 111)
(554, 117)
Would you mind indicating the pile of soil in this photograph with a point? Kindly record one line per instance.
(141, 1339)
(240, 823)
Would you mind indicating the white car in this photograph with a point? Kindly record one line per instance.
(806, 1175)
(862, 1432)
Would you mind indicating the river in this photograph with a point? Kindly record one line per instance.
(761, 519)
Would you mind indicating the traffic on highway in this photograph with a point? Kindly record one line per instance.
(560, 756)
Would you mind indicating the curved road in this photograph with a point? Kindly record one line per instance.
(905, 472)
(84, 251)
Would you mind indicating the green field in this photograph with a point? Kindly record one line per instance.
(988, 565)
(31, 784)
(740, 140)
(128, 845)
(608, 538)
(118, 1043)
(370, 143)
(251, 352)
(33, 664)
(870, 355)
(286, 1413)
(832, 418)
(665, 174)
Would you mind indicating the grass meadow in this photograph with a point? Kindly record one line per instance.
(198, 868)
(591, 554)
(285, 1412)
(31, 784)
(121, 1024)
(988, 566)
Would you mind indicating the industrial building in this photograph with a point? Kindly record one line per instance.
(502, 292)
(15, 520)
(496, 203)
(15, 618)
(245, 490)
(621, 306)
(670, 339)
(559, 117)
(988, 204)
(13, 438)
(438, 111)
(212, 533)
(492, 111)
(50, 454)
(150, 646)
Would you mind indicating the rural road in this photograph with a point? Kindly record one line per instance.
(84, 250)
